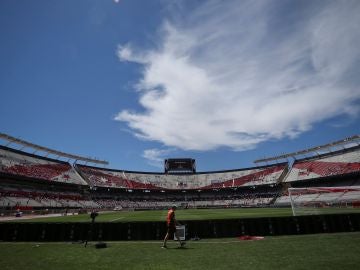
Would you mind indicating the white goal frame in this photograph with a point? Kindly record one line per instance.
(317, 200)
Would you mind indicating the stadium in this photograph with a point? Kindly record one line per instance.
(179, 134)
(45, 199)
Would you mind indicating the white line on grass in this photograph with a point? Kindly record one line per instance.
(116, 219)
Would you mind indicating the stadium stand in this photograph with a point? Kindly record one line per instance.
(211, 180)
(331, 164)
(322, 197)
(25, 199)
(31, 182)
(14, 162)
(110, 178)
(251, 177)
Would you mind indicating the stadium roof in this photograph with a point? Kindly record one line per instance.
(327, 147)
(11, 139)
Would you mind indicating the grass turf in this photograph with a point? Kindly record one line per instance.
(160, 215)
(321, 251)
(188, 214)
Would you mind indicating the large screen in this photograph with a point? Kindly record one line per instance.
(180, 165)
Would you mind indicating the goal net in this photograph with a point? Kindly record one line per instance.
(324, 200)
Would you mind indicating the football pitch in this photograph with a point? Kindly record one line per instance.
(160, 215)
(183, 215)
(320, 251)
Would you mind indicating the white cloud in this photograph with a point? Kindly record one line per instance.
(124, 53)
(235, 74)
(156, 156)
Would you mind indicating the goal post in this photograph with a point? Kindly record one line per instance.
(324, 200)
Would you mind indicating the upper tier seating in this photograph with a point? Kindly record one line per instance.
(339, 163)
(105, 178)
(18, 163)
(137, 180)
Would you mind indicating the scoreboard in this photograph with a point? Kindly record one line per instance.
(179, 165)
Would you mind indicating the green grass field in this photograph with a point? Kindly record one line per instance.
(321, 251)
(160, 215)
(189, 214)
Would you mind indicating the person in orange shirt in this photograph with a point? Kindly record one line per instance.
(171, 227)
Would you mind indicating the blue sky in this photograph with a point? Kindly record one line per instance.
(224, 82)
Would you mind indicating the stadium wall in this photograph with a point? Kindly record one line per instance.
(106, 231)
